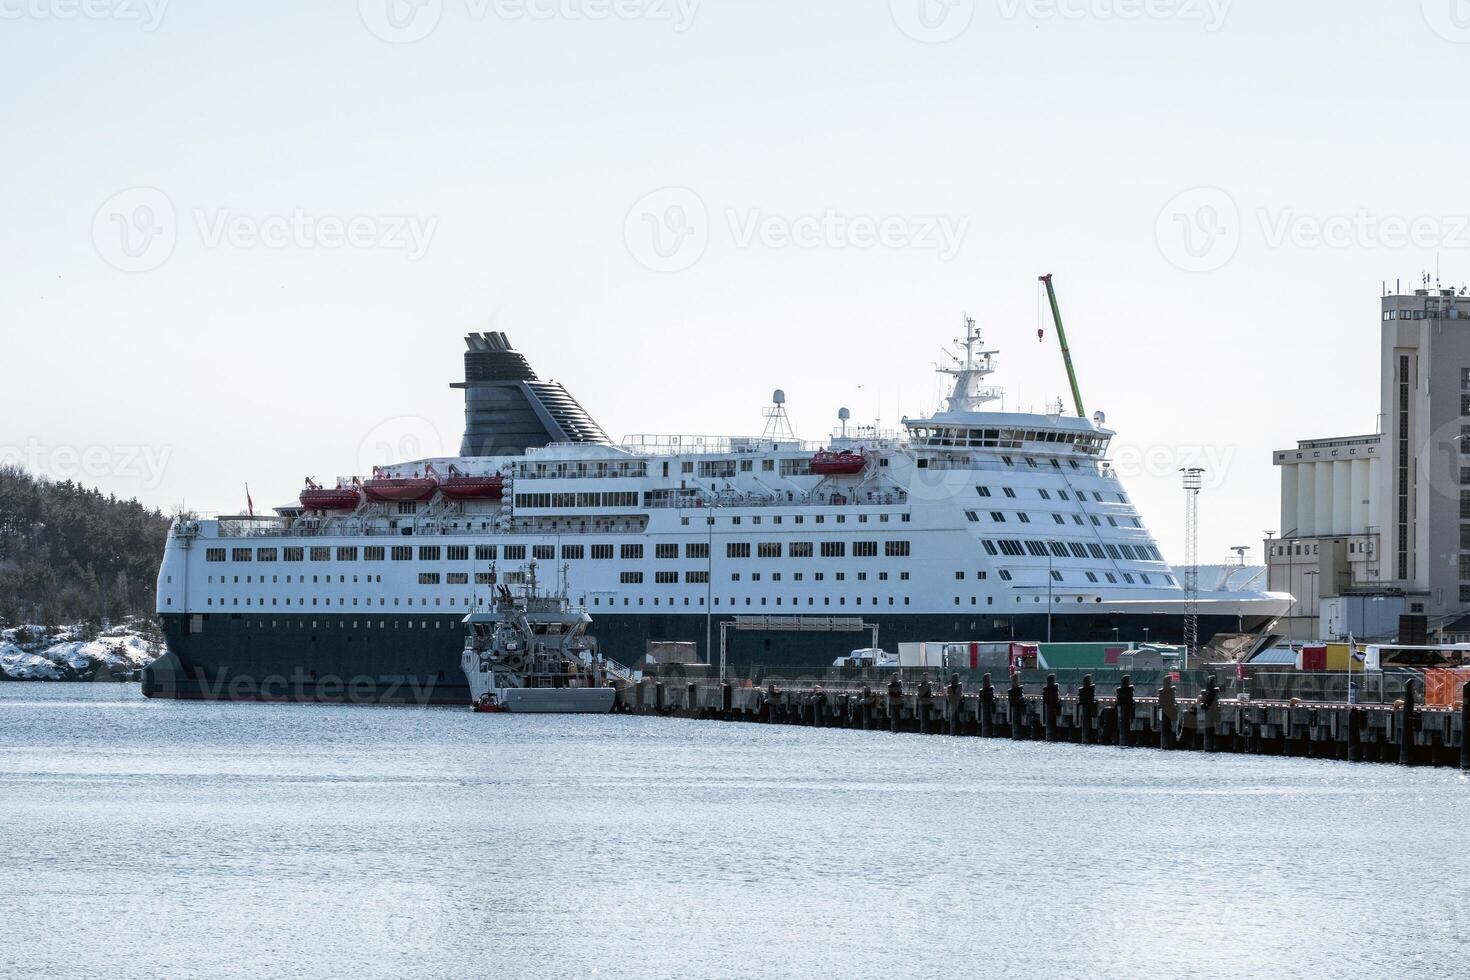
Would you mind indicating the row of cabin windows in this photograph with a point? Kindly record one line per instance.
(572, 501)
(748, 601)
(820, 576)
(809, 549)
(1045, 494)
(798, 519)
(999, 517)
(1073, 549)
(547, 552)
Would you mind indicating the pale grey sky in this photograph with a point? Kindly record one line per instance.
(243, 241)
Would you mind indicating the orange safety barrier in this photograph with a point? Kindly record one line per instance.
(1443, 687)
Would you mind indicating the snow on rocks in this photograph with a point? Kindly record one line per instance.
(116, 653)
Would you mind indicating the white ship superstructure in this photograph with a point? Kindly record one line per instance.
(966, 525)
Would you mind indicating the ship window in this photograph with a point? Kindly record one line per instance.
(834, 549)
(1024, 517)
(666, 551)
(983, 491)
(990, 547)
(997, 517)
(214, 554)
(458, 552)
(1045, 494)
(632, 551)
(402, 553)
(1005, 576)
(737, 549)
(896, 549)
(428, 578)
(374, 553)
(572, 552)
(1056, 576)
(800, 549)
(699, 550)
(1092, 576)
(543, 552)
(1008, 491)
(602, 552)
(865, 549)
(428, 552)
(768, 549)
(515, 552)
(665, 578)
(241, 554)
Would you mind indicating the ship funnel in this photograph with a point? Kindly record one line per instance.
(508, 410)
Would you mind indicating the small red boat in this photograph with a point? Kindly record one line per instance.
(489, 704)
(399, 489)
(844, 463)
(318, 497)
(458, 486)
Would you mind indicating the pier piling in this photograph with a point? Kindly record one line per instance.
(1051, 706)
(1125, 711)
(1017, 698)
(1406, 725)
(1168, 713)
(1465, 727)
(1087, 709)
(987, 707)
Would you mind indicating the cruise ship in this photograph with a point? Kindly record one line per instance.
(967, 525)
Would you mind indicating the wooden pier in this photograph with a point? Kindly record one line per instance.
(1406, 732)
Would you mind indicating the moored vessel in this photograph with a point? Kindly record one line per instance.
(532, 654)
(965, 525)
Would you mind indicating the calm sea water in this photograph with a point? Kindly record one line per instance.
(148, 838)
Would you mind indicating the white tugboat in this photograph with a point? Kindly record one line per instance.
(533, 654)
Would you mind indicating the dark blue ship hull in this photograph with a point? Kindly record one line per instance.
(415, 660)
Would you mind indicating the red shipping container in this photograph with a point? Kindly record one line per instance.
(1314, 658)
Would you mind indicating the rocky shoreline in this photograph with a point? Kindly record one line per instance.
(74, 653)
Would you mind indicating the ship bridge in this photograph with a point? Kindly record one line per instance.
(1009, 430)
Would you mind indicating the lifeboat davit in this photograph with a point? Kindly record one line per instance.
(317, 497)
(399, 489)
(844, 463)
(458, 486)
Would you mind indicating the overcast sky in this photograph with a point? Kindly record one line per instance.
(243, 241)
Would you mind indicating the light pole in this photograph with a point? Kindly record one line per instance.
(1193, 481)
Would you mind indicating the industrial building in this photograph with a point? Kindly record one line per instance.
(1374, 526)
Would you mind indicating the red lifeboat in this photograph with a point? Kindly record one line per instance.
(318, 497)
(844, 463)
(459, 486)
(399, 489)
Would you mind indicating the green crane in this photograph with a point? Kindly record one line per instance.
(1056, 315)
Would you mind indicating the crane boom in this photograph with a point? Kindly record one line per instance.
(1056, 315)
